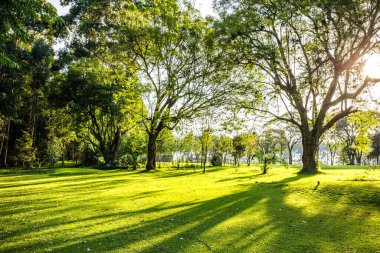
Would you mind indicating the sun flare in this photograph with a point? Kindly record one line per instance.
(372, 66)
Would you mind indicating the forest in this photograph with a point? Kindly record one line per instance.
(154, 126)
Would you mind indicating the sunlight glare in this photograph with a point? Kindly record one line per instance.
(372, 66)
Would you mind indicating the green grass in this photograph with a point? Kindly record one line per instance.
(224, 210)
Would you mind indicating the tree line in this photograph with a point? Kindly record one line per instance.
(130, 72)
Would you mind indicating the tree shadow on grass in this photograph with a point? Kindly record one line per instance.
(256, 218)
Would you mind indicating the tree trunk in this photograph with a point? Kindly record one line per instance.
(265, 166)
(63, 151)
(310, 145)
(332, 158)
(3, 138)
(7, 143)
(359, 156)
(135, 159)
(112, 151)
(204, 161)
(151, 161)
(290, 149)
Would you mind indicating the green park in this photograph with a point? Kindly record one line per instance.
(190, 126)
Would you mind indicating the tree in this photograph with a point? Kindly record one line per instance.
(205, 141)
(61, 132)
(268, 151)
(27, 30)
(354, 130)
(42, 57)
(178, 63)
(238, 148)
(190, 147)
(223, 146)
(333, 141)
(375, 145)
(184, 144)
(169, 46)
(308, 54)
(249, 141)
(289, 136)
(166, 146)
(134, 145)
(21, 22)
(103, 99)
(25, 151)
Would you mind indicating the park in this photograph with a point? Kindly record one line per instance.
(190, 126)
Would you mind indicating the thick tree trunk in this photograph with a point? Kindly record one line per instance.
(151, 160)
(310, 145)
(113, 148)
(351, 159)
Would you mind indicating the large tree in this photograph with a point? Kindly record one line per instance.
(103, 99)
(308, 54)
(169, 45)
(178, 67)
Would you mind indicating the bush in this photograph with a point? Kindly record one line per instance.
(216, 160)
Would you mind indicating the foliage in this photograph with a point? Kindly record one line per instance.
(223, 147)
(174, 55)
(216, 160)
(334, 142)
(102, 99)
(355, 130)
(268, 151)
(25, 151)
(206, 143)
(134, 145)
(304, 55)
(250, 144)
(375, 145)
(21, 23)
(166, 143)
(238, 148)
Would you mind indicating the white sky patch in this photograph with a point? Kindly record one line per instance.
(62, 10)
(372, 66)
(205, 7)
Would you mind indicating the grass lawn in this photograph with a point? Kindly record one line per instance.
(224, 210)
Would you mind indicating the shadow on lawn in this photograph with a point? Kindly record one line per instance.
(187, 229)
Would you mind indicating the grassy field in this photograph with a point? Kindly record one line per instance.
(224, 210)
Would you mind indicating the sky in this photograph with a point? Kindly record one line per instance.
(204, 6)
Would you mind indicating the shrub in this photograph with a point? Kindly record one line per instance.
(216, 160)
